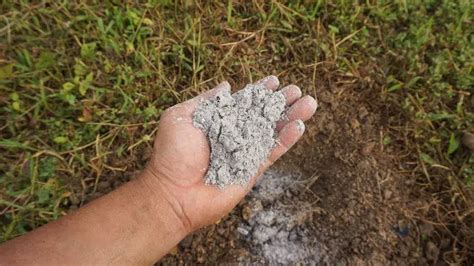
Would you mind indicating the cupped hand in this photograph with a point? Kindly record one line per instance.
(181, 157)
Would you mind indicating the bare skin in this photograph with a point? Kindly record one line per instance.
(142, 220)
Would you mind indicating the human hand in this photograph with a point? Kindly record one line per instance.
(181, 157)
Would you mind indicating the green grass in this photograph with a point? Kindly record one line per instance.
(82, 86)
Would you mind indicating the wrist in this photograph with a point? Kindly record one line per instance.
(165, 207)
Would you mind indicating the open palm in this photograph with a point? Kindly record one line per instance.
(181, 156)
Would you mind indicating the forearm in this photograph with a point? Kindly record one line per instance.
(134, 224)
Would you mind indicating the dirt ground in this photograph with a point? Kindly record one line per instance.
(352, 182)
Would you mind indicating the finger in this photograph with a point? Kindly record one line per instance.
(270, 82)
(303, 110)
(292, 93)
(188, 107)
(287, 137)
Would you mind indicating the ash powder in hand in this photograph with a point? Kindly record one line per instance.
(240, 128)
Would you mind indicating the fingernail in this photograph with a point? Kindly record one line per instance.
(315, 103)
(292, 93)
(292, 88)
(300, 126)
(224, 85)
(312, 102)
(270, 82)
(267, 78)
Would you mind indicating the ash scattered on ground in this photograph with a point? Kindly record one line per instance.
(275, 222)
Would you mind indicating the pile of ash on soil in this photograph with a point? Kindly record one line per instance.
(276, 221)
(240, 128)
